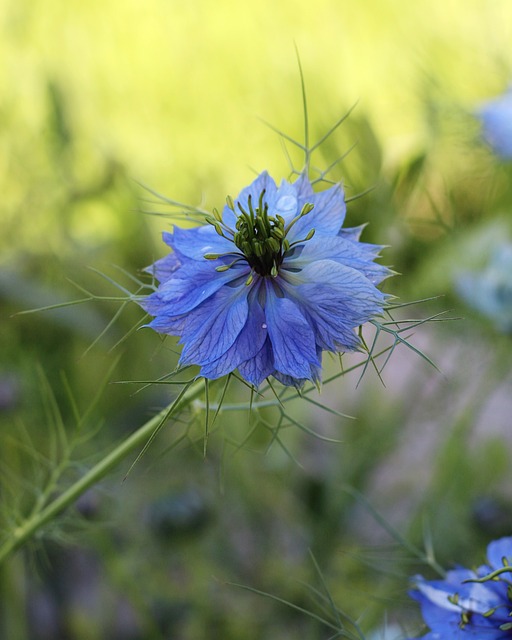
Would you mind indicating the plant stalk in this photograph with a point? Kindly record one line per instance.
(136, 440)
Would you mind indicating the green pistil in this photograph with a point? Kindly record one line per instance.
(465, 619)
(260, 237)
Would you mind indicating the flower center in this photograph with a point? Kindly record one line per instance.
(259, 237)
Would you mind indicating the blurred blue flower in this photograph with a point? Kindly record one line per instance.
(496, 118)
(490, 290)
(267, 285)
(458, 608)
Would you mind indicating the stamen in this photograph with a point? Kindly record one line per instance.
(243, 211)
(225, 267)
(258, 248)
(260, 237)
(251, 210)
(219, 225)
(465, 617)
(307, 208)
(261, 204)
(216, 256)
(311, 233)
(273, 245)
(218, 229)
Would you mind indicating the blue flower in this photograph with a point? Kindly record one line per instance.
(496, 118)
(490, 290)
(458, 608)
(267, 285)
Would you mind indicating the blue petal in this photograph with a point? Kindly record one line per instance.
(262, 182)
(352, 233)
(447, 625)
(443, 615)
(284, 202)
(303, 188)
(168, 238)
(196, 242)
(337, 299)
(290, 381)
(164, 268)
(499, 549)
(293, 340)
(256, 369)
(212, 327)
(193, 283)
(344, 290)
(356, 255)
(496, 117)
(472, 596)
(169, 325)
(326, 217)
(247, 345)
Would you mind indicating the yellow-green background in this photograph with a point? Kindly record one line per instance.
(96, 97)
(173, 90)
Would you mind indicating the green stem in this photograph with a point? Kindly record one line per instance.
(138, 439)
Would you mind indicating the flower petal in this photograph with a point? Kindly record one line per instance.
(337, 299)
(213, 326)
(499, 550)
(443, 603)
(496, 118)
(356, 255)
(472, 596)
(256, 369)
(196, 242)
(164, 268)
(193, 283)
(326, 217)
(169, 325)
(303, 187)
(247, 345)
(293, 340)
(352, 233)
(284, 202)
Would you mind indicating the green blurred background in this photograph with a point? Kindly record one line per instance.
(99, 97)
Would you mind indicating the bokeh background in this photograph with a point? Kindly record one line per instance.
(100, 98)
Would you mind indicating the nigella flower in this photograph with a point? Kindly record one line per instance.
(496, 118)
(267, 285)
(470, 604)
(490, 290)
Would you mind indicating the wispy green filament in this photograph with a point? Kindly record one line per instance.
(139, 439)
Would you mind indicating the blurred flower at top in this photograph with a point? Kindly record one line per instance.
(496, 118)
(490, 290)
(268, 284)
(458, 608)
